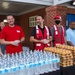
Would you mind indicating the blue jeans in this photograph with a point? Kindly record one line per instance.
(3, 48)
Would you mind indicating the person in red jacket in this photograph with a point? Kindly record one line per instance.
(40, 35)
(58, 32)
(12, 36)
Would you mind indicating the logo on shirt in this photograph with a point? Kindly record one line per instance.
(18, 31)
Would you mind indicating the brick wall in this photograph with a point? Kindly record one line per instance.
(54, 10)
(71, 11)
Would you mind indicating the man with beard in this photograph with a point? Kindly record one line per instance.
(58, 32)
(70, 34)
(12, 36)
(40, 35)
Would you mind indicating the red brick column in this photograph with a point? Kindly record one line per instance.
(54, 10)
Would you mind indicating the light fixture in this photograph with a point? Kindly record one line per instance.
(5, 5)
(73, 2)
(5, 20)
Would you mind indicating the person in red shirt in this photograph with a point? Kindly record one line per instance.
(40, 35)
(12, 36)
(58, 32)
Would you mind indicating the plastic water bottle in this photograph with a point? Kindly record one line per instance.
(8, 65)
(2, 70)
(16, 57)
(13, 67)
(50, 62)
(54, 62)
(28, 65)
(58, 61)
(36, 63)
(47, 62)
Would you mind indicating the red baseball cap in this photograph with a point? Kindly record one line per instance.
(57, 17)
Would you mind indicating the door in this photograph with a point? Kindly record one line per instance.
(69, 18)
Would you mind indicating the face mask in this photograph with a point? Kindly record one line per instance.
(57, 21)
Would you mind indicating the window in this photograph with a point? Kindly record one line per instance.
(32, 21)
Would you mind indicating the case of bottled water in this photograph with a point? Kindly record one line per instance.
(29, 62)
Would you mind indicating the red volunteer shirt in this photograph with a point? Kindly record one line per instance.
(11, 34)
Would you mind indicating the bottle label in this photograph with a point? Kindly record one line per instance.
(2, 71)
(22, 66)
(7, 70)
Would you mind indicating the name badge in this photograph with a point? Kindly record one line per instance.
(18, 31)
(56, 33)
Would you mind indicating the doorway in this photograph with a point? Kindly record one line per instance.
(69, 18)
